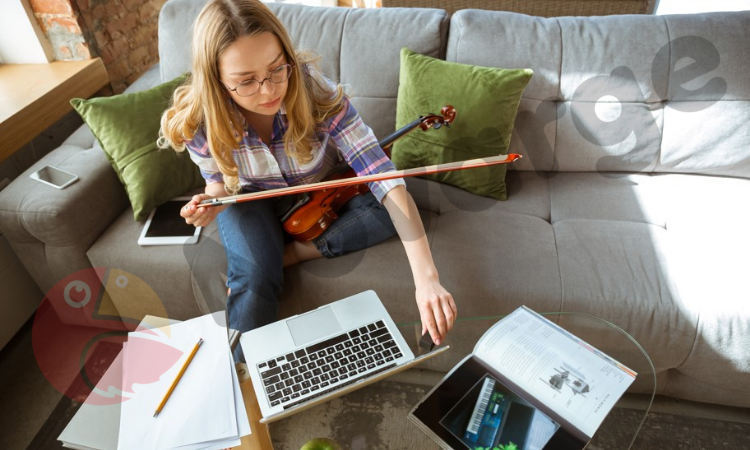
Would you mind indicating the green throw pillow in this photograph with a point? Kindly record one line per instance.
(486, 102)
(127, 126)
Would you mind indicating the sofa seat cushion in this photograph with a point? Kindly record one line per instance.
(659, 255)
(490, 261)
(189, 279)
(708, 225)
(621, 271)
(631, 249)
(664, 256)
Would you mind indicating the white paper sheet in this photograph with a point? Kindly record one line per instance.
(243, 425)
(203, 407)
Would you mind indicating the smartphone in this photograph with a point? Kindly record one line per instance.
(54, 177)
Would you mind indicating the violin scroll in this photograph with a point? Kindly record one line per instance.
(449, 114)
(424, 123)
(435, 121)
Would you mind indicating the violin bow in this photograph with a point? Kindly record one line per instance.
(424, 122)
(417, 171)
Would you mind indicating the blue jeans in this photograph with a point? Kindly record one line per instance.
(254, 241)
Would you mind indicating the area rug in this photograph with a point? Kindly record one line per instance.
(46, 439)
(375, 418)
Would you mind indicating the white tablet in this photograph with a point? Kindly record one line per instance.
(165, 226)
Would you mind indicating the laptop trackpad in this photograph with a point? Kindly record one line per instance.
(313, 326)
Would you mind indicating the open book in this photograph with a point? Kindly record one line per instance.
(529, 385)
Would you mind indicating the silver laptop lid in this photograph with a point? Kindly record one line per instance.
(316, 354)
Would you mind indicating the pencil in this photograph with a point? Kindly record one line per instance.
(177, 378)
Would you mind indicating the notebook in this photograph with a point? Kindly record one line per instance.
(305, 360)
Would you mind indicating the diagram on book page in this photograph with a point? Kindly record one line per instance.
(566, 376)
(568, 387)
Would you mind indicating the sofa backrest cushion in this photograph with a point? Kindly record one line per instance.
(621, 93)
(359, 47)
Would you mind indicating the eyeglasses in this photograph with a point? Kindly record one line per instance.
(251, 87)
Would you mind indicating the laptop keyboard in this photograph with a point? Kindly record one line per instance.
(349, 355)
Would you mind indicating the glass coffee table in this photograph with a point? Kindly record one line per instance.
(621, 427)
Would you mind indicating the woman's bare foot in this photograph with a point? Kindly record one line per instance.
(297, 252)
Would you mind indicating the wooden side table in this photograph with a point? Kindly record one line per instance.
(260, 439)
(35, 96)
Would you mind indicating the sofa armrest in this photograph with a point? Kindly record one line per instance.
(51, 229)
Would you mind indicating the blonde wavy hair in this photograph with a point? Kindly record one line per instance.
(202, 99)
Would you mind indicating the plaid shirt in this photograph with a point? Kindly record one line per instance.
(343, 137)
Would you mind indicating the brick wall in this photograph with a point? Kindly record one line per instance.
(122, 32)
(125, 35)
(58, 20)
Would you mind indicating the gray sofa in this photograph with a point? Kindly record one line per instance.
(628, 204)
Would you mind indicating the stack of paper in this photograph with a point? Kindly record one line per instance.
(205, 410)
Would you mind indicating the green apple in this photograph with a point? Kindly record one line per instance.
(321, 444)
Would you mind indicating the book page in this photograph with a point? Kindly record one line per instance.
(561, 371)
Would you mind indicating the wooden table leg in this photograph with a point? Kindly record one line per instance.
(260, 439)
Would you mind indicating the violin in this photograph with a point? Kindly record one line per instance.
(446, 117)
(313, 213)
(320, 213)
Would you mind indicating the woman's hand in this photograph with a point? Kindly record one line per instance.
(437, 310)
(200, 216)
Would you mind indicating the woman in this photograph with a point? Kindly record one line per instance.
(256, 115)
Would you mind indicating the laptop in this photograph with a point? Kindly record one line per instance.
(310, 358)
